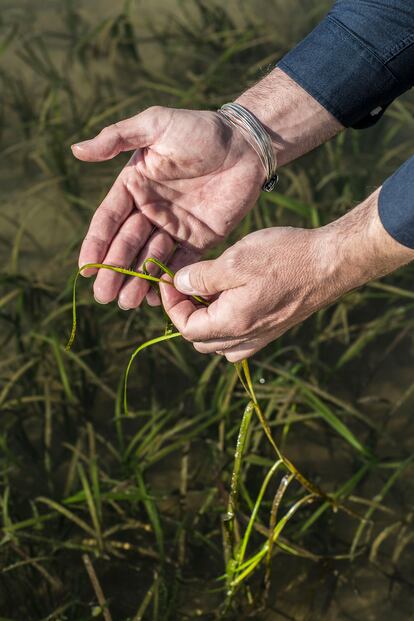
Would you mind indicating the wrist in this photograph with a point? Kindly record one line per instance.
(296, 122)
(242, 120)
(361, 249)
(240, 151)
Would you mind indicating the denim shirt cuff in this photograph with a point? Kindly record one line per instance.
(343, 74)
(396, 204)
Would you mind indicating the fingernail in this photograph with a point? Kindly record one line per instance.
(86, 273)
(80, 145)
(99, 301)
(182, 282)
(124, 308)
(153, 303)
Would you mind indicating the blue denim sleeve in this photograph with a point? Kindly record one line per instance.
(358, 59)
(396, 204)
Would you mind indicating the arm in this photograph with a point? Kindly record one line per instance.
(274, 279)
(358, 59)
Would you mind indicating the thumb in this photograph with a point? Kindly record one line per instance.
(203, 278)
(136, 132)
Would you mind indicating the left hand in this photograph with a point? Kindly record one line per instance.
(268, 282)
(191, 179)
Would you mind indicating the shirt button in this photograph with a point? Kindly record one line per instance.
(376, 111)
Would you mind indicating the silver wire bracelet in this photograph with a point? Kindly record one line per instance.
(238, 116)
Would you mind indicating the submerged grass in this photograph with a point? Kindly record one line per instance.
(106, 515)
(237, 569)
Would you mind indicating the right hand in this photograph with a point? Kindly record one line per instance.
(188, 184)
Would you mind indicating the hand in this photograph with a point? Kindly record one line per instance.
(190, 181)
(274, 279)
(267, 282)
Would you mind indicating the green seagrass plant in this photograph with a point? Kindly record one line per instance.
(238, 567)
(281, 490)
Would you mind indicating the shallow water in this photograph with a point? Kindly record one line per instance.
(43, 228)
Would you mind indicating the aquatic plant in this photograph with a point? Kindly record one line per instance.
(238, 569)
(106, 514)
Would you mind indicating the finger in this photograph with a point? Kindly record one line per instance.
(203, 278)
(245, 350)
(181, 257)
(107, 219)
(239, 354)
(197, 323)
(159, 246)
(125, 246)
(138, 131)
(153, 298)
(177, 306)
(215, 346)
(162, 250)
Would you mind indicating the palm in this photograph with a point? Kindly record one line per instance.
(190, 187)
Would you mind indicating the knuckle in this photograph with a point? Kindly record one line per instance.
(244, 323)
(154, 109)
(96, 239)
(153, 115)
(110, 215)
(230, 261)
(109, 129)
(156, 119)
(185, 333)
(198, 280)
(129, 242)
